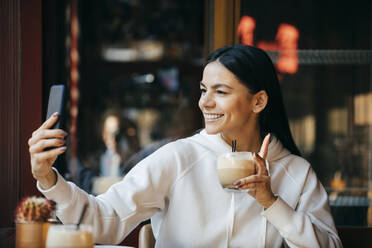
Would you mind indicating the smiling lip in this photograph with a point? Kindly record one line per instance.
(212, 117)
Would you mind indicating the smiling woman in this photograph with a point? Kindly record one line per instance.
(178, 185)
(249, 77)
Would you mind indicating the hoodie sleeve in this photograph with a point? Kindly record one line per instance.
(310, 224)
(114, 214)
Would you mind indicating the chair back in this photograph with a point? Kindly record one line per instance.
(146, 238)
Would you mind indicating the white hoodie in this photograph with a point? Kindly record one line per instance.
(178, 188)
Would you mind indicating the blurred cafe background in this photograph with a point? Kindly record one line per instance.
(133, 67)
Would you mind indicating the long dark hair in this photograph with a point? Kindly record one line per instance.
(254, 69)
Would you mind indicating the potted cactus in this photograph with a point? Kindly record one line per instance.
(31, 218)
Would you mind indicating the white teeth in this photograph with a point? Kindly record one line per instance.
(212, 116)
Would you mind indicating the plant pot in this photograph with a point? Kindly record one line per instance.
(31, 234)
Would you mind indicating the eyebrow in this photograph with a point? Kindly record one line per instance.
(215, 86)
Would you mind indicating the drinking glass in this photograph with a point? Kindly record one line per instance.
(233, 166)
(68, 236)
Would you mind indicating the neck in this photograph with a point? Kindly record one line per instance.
(250, 141)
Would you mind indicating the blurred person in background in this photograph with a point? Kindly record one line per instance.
(119, 142)
(169, 127)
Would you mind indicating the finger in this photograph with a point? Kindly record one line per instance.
(248, 186)
(246, 180)
(265, 146)
(51, 154)
(50, 121)
(46, 143)
(252, 179)
(254, 186)
(261, 165)
(46, 134)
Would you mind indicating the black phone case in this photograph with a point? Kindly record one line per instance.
(56, 103)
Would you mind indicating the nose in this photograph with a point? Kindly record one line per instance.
(206, 101)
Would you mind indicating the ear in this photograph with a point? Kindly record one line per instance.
(260, 100)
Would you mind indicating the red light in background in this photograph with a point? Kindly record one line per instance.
(267, 45)
(246, 30)
(286, 41)
(287, 38)
(74, 89)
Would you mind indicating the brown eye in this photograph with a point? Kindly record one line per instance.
(220, 92)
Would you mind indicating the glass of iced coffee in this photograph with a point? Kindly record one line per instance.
(68, 236)
(233, 166)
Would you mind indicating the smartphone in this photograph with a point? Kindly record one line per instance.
(56, 103)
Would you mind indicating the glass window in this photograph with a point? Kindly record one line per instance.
(322, 51)
(140, 62)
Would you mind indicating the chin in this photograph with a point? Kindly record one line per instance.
(212, 130)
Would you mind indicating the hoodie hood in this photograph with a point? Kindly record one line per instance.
(276, 150)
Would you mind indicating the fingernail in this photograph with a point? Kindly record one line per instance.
(55, 114)
(237, 183)
(62, 148)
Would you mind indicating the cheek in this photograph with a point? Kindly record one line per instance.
(232, 107)
(239, 110)
(200, 103)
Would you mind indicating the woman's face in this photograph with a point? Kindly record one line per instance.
(225, 102)
(110, 127)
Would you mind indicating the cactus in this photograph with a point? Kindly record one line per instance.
(34, 209)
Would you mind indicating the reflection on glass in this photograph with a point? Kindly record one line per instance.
(337, 121)
(138, 61)
(363, 109)
(141, 50)
(303, 131)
